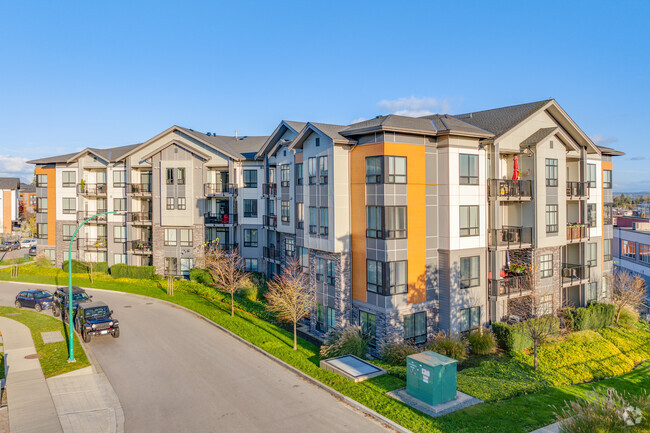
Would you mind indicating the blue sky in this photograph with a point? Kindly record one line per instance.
(100, 74)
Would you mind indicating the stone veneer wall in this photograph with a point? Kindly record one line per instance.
(548, 285)
(158, 240)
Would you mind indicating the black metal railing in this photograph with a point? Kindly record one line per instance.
(139, 217)
(577, 189)
(83, 214)
(92, 244)
(510, 237)
(576, 232)
(270, 221)
(509, 286)
(141, 246)
(214, 245)
(510, 189)
(269, 189)
(220, 218)
(138, 188)
(91, 188)
(271, 253)
(574, 274)
(219, 188)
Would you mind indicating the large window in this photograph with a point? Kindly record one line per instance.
(181, 203)
(41, 230)
(546, 305)
(368, 323)
(119, 204)
(285, 175)
(394, 166)
(396, 169)
(415, 328)
(186, 265)
(607, 179)
(331, 276)
(250, 208)
(374, 276)
(41, 180)
(397, 280)
(313, 220)
(470, 319)
(322, 161)
(250, 237)
(644, 253)
(324, 221)
(250, 265)
(320, 318)
(374, 222)
(170, 176)
(69, 205)
(284, 211)
(592, 254)
(628, 249)
(386, 222)
(551, 218)
(171, 203)
(546, 265)
(551, 172)
(300, 215)
(592, 218)
(41, 204)
(181, 176)
(373, 169)
(386, 278)
(299, 175)
(303, 258)
(320, 269)
(468, 169)
(69, 179)
(591, 175)
(119, 178)
(170, 237)
(119, 234)
(469, 224)
(313, 170)
(470, 272)
(186, 237)
(68, 231)
(290, 246)
(607, 250)
(250, 178)
(331, 318)
(607, 214)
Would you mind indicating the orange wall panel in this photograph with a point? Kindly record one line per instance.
(6, 211)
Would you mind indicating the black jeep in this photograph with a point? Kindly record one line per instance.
(60, 305)
(94, 318)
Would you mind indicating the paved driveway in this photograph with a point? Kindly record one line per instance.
(174, 372)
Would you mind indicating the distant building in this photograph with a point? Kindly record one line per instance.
(9, 187)
(632, 250)
(27, 199)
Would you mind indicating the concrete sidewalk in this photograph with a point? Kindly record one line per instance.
(76, 402)
(552, 428)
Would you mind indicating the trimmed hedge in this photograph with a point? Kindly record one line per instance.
(137, 272)
(200, 276)
(595, 316)
(84, 267)
(510, 337)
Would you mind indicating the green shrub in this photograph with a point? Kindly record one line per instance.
(634, 343)
(250, 292)
(451, 345)
(595, 316)
(101, 267)
(200, 276)
(510, 338)
(628, 317)
(348, 341)
(42, 261)
(136, 272)
(396, 353)
(77, 267)
(481, 342)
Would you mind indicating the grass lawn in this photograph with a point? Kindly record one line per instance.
(55, 355)
(15, 261)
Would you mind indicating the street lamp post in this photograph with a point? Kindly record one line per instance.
(70, 328)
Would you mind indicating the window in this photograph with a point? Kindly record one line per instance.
(290, 246)
(628, 249)
(181, 203)
(119, 204)
(303, 258)
(66, 256)
(170, 203)
(41, 230)
(170, 237)
(69, 205)
(186, 265)
(272, 175)
(250, 265)
(41, 180)
(270, 207)
(186, 237)
(592, 218)
(300, 215)
(312, 170)
(592, 254)
(386, 278)
(604, 289)
(119, 178)
(119, 234)
(285, 174)
(250, 178)
(546, 265)
(68, 231)
(368, 323)
(607, 250)
(284, 211)
(250, 237)
(592, 292)
(324, 221)
(551, 218)
(644, 253)
(396, 169)
(374, 222)
(250, 208)
(181, 176)
(470, 272)
(468, 169)
(397, 281)
(313, 220)
(119, 259)
(373, 169)
(551, 172)
(32, 200)
(299, 178)
(320, 318)
(374, 276)
(171, 265)
(170, 176)
(101, 205)
(69, 179)
(331, 318)
(607, 215)
(470, 319)
(415, 328)
(320, 269)
(395, 222)
(323, 170)
(317, 141)
(41, 204)
(469, 221)
(607, 179)
(546, 305)
(591, 175)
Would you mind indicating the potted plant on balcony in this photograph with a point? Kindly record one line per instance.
(82, 185)
(517, 268)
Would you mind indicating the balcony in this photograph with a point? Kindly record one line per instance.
(270, 221)
(219, 189)
(577, 190)
(215, 245)
(140, 247)
(141, 189)
(271, 253)
(577, 233)
(83, 215)
(214, 218)
(509, 286)
(510, 190)
(574, 275)
(269, 189)
(93, 244)
(511, 238)
(91, 189)
(139, 217)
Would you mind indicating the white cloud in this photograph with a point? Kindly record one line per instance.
(601, 140)
(360, 119)
(15, 166)
(415, 107)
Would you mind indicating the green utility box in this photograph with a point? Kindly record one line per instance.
(431, 377)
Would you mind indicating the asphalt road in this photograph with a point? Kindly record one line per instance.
(174, 372)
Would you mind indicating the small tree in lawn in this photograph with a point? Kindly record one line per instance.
(290, 297)
(227, 270)
(628, 291)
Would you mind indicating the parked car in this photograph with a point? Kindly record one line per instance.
(32, 250)
(10, 246)
(93, 319)
(36, 299)
(79, 296)
(27, 243)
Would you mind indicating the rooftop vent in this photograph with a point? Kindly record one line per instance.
(209, 134)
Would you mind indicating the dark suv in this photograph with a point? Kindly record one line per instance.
(36, 299)
(60, 306)
(94, 318)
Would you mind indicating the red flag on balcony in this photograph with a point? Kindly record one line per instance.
(516, 175)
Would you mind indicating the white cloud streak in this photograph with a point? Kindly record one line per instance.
(415, 107)
(601, 140)
(15, 166)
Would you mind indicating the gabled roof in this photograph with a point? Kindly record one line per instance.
(53, 159)
(111, 154)
(538, 136)
(9, 183)
(501, 120)
(390, 122)
(326, 129)
(272, 142)
(447, 124)
(27, 187)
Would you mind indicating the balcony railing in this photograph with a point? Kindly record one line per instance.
(270, 221)
(577, 233)
(138, 188)
(141, 247)
(139, 217)
(577, 190)
(511, 238)
(93, 244)
(219, 188)
(510, 286)
(215, 218)
(573, 275)
(269, 189)
(84, 214)
(504, 189)
(91, 189)
(213, 245)
(271, 253)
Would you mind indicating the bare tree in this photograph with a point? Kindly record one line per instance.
(227, 271)
(290, 297)
(628, 291)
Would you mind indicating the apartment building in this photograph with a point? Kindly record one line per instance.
(405, 225)
(9, 187)
(631, 251)
(27, 200)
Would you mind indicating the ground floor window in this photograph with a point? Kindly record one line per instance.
(592, 292)
(250, 265)
(171, 265)
(470, 319)
(119, 259)
(368, 323)
(546, 305)
(65, 255)
(50, 254)
(320, 318)
(415, 328)
(331, 318)
(186, 265)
